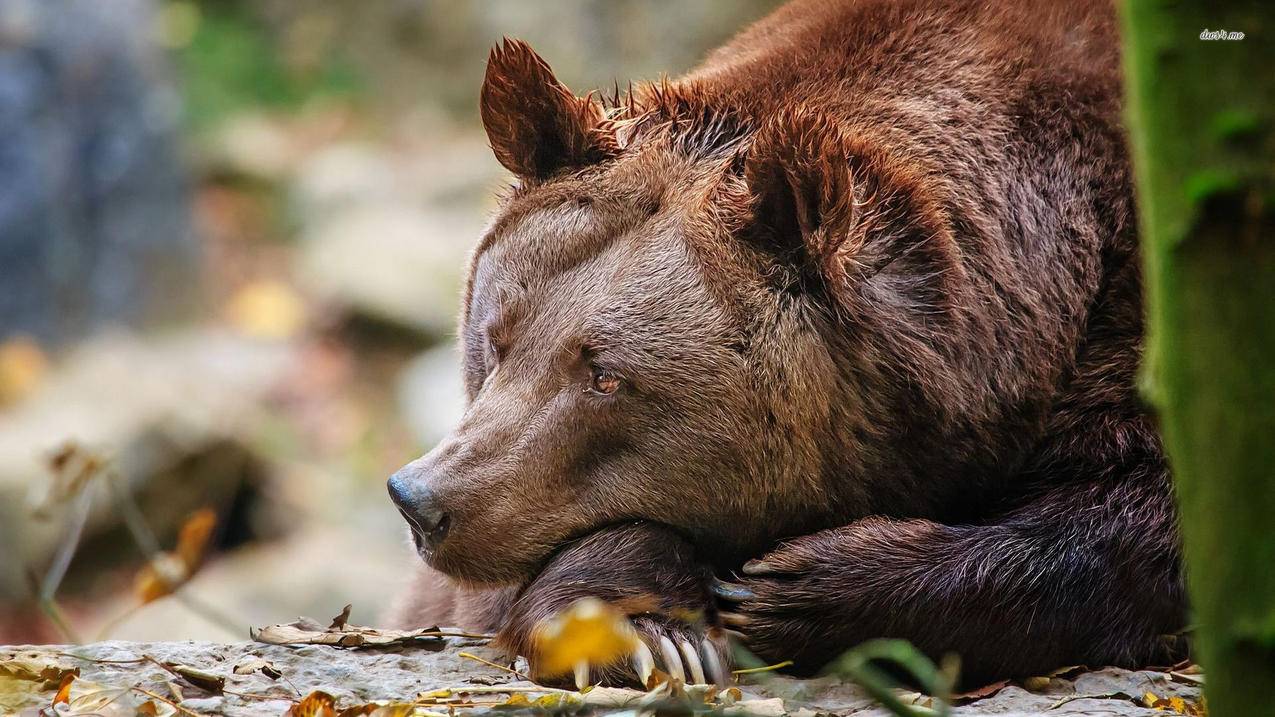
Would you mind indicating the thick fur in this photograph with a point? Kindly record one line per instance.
(869, 277)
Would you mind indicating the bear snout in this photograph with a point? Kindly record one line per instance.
(420, 507)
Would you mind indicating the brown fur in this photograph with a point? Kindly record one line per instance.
(868, 277)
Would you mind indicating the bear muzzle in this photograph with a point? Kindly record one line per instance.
(418, 505)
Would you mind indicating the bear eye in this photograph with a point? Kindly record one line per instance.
(603, 382)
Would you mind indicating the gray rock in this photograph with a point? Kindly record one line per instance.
(393, 261)
(356, 677)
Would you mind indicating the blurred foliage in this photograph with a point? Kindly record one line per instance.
(232, 61)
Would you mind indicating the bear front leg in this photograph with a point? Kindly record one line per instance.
(650, 574)
(1079, 574)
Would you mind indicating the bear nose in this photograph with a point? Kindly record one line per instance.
(419, 507)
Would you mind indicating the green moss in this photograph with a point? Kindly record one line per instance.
(232, 63)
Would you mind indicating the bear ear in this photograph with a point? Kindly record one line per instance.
(536, 126)
(797, 169)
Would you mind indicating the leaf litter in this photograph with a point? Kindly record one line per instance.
(588, 632)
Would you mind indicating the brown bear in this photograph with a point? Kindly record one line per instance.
(833, 338)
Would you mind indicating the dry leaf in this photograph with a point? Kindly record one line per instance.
(590, 631)
(980, 693)
(204, 680)
(315, 704)
(338, 622)
(91, 698)
(308, 632)
(772, 707)
(1188, 678)
(49, 677)
(257, 664)
(1173, 705)
(266, 309)
(169, 571)
(64, 690)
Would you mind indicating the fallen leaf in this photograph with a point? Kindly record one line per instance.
(315, 704)
(772, 707)
(589, 631)
(981, 693)
(64, 690)
(92, 698)
(308, 632)
(203, 679)
(1173, 705)
(1106, 696)
(49, 677)
(1187, 678)
(338, 622)
(170, 570)
(257, 664)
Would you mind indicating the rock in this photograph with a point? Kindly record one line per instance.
(342, 175)
(352, 677)
(393, 262)
(252, 146)
(172, 415)
(356, 677)
(431, 394)
(94, 205)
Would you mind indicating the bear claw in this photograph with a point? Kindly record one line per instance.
(731, 591)
(758, 567)
(643, 662)
(690, 660)
(712, 663)
(672, 662)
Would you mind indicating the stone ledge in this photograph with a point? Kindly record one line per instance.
(356, 677)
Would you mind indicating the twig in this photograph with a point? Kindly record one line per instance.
(166, 701)
(101, 661)
(765, 668)
(142, 534)
(66, 551)
(50, 608)
(489, 663)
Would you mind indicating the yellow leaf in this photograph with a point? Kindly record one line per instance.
(64, 690)
(590, 631)
(315, 704)
(266, 309)
(169, 571)
(22, 367)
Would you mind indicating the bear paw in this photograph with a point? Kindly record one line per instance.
(681, 651)
(787, 606)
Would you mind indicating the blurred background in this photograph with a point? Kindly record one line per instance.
(232, 236)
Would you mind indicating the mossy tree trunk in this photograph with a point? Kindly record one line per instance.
(1202, 124)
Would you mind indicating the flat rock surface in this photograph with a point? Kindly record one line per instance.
(359, 676)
